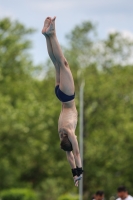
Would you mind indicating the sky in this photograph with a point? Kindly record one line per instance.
(109, 15)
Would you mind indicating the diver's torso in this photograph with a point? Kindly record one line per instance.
(68, 118)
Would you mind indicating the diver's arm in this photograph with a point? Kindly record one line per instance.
(76, 153)
(71, 160)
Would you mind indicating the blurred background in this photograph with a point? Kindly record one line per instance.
(97, 40)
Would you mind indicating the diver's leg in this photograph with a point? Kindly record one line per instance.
(66, 78)
(50, 50)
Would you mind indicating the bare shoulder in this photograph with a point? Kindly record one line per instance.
(71, 134)
(73, 139)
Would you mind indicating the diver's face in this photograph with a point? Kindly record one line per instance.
(63, 134)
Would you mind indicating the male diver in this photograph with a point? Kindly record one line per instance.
(65, 92)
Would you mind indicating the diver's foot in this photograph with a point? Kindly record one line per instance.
(46, 25)
(50, 30)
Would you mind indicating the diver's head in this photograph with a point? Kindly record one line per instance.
(65, 143)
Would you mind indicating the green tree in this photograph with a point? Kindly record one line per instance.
(30, 154)
(107, 110)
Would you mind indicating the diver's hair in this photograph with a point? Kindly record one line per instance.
(66, 144)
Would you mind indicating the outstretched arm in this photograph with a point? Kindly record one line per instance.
(76, 159)
(76, 152)
(71, 160)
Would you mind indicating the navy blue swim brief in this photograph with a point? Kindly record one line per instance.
(62, 96)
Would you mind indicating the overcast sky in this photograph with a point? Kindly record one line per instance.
(108, 14)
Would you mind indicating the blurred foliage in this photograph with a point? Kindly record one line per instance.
(18, 194)
(68, 197)
(30, 154)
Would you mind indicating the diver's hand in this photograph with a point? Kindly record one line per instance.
(76, 180)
